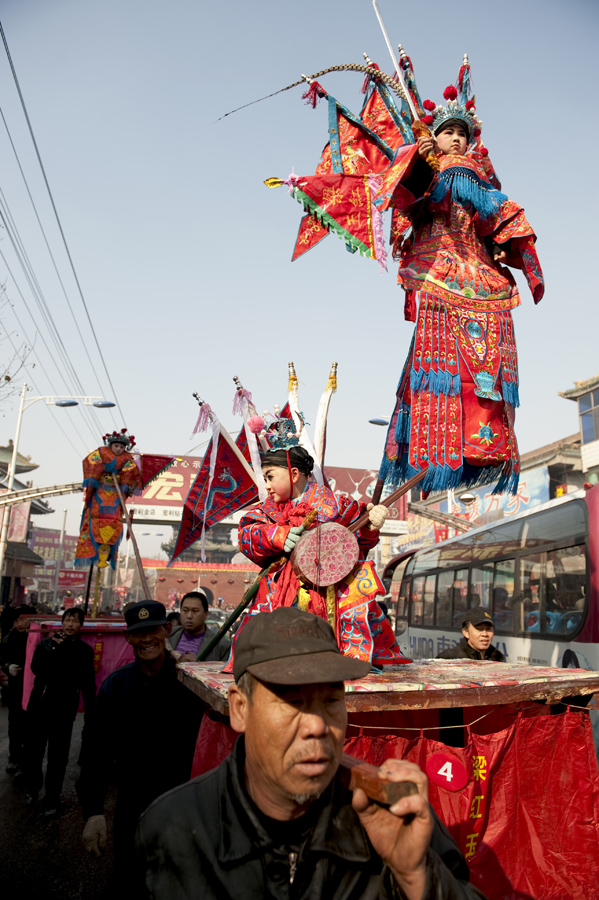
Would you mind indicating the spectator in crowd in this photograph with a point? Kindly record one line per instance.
(276, 818)
(478, 629)
(14, 646)
(189, 638)
(142, 735)
(63, 666)
(7, 617)
(174, 618)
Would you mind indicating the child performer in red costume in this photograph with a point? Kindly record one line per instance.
(102, 519)
(274, 527)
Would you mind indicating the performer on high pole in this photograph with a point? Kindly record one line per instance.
(454, 233)
(112, 474)
(102, 519)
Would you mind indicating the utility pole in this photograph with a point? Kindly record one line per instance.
(59, 560)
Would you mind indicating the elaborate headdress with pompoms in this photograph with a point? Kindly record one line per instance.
(121, 437)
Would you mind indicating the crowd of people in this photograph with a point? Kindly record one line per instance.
(291, 819)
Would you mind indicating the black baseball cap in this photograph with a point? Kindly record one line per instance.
(289, 646)
(476, 616)
(147, 614)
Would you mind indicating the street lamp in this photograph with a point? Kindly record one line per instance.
(51, 400)
(379, 420)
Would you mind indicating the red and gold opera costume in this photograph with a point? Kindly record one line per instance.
(459, 388)
(350, 606)
(458, 392)
(101, 522)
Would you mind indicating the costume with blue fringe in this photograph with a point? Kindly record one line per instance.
(458, 392)
(456, 398)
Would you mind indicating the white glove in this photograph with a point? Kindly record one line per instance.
(292, 538)
(94, 835)
(377, 516)
(14, 670)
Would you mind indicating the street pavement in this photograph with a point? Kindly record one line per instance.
(46, 859)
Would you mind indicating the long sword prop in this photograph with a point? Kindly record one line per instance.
(418, 127)
(402, 82)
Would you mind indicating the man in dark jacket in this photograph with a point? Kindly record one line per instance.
(143, 733)
(63, 666)
(14, 649)
(276, 819)
(477, 630)
(193, 634)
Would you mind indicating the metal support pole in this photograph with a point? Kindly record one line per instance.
(140, 568)
(59, 559)
(88, 588)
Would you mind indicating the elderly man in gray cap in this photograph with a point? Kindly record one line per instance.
(276, 819)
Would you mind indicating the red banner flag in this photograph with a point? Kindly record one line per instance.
(232, 488)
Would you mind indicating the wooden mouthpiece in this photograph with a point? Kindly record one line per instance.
(365, 776)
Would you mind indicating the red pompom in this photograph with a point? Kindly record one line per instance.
(470, 104)
(255, 424)
(484, 151)
(477, 132)
(450, 92)
(123, 430)
(428, 104)
(428, 120)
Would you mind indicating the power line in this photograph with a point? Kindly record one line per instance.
(61, 374)
(18, 87)
(39, 297)
(32, 381)
(84, 344)
(53, 331)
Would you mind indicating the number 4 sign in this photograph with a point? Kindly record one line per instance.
(446, 771)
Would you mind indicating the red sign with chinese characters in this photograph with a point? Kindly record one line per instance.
(162, 501)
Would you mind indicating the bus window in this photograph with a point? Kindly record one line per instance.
(532, 580)
(429, 601)
(566, 521)
(503, 595)
(481, 580)
(417, 600)
(459, 595)
(565, 586)
(400, 588)
(444, 599)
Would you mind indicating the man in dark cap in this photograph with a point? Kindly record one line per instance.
(143, 733)
(276, 819)
(478, 628)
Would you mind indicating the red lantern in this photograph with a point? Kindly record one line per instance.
(213, 580)
(162, 578)
(231, 581)
(179, 580)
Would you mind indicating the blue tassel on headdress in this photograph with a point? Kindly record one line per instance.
(467, 187)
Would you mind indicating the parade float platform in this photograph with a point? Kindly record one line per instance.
(520, 796)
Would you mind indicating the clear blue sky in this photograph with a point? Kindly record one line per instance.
(184, 256)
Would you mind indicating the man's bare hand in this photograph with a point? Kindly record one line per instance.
(500, 256)
(186, 657)
(402, 834)
(426, 145)
(94, 835)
